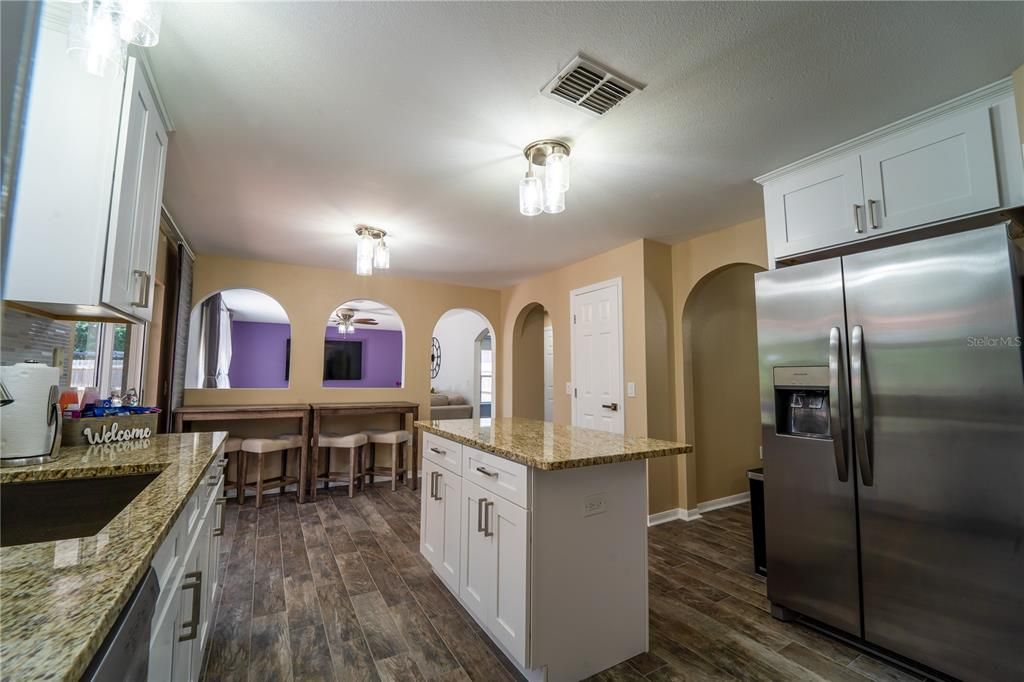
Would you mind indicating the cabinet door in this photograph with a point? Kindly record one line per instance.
(478, 570)
(431, 517)
(449, 489)
(163, 640)
(182, 666)
(818, 207)
(934, 172)
(508, 523)
(138, 188)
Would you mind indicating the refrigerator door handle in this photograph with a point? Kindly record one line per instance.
(836, 423)
(861, 415)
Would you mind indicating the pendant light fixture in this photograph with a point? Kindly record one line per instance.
(536, 197)
(100, 31)
(372, 251)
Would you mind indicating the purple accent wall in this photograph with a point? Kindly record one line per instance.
(382, 358)
(258, 354)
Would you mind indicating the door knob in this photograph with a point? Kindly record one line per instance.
(614, 407)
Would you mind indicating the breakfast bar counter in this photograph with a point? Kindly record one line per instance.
(540, 531)
(61, 597)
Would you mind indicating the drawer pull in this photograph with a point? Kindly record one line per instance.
(485, 472)
(194, 582)
(438, 451)
(873, 214)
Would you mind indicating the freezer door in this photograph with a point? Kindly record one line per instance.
(810, 513)
(938, 422)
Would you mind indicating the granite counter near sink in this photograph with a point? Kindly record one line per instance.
(61, 598)
(548, 446)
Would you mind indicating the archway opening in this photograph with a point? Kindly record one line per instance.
(238, 338)
(364, 346)
(533, 364)
(721, 382)
(462, 366)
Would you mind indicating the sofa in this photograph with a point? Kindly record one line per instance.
(449, 406)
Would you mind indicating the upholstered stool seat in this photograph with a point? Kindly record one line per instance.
(294, 438)
(392, 461)
(261, 447)
(348, 471)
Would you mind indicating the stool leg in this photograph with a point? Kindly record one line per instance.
(284, 470)
(351, 470)
(259, 481)
(243, 469)
(314, 471)
(394, 465)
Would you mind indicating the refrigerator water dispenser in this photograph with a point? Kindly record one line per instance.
(801, 402)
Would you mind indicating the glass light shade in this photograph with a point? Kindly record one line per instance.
(341, 327)
(364, 255)
(381, 255)
(531, 196)
(94, 40)
(554, 202)
(556, 173)
(139, 22)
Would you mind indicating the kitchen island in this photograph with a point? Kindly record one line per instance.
(540, 532)
(61, 597)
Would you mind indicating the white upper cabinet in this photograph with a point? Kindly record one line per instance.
(90, 183)
(956, 160)
(819, 206)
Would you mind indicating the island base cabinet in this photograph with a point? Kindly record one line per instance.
(440, 529)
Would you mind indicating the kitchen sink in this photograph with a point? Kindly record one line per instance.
(40, 511)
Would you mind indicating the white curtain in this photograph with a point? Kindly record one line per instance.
(224, 347)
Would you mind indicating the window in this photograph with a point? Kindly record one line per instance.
(106, 357)
(486, 376)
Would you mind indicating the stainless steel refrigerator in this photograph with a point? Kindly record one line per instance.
(892, 408)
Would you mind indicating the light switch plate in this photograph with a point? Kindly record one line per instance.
(631, 389)
(595, 504)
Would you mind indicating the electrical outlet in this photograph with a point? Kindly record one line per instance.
(631, 389)
(595, 504)
(760, 452)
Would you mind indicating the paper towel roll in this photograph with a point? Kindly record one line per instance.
(23, 428)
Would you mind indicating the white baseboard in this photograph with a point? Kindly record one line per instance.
(723, 502)
(679, 514)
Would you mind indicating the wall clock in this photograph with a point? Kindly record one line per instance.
(435, 357)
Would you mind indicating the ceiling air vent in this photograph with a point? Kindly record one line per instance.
(590, 87)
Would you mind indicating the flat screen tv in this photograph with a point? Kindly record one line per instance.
(343, 360)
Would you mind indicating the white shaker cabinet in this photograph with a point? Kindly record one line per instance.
(440, 530)
(90, 182)
(954, 161)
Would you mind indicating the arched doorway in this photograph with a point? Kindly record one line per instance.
(721, 383)
(462, 366)
(529, 357)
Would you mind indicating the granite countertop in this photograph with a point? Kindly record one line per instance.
(546, 445)
(60, 598)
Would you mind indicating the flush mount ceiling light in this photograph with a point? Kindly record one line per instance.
(372, 251)
(536, 197)
(100, 31)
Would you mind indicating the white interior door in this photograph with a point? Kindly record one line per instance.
(549, 374)
(597, 356)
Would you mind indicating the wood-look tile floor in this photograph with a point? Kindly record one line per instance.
(337, 590)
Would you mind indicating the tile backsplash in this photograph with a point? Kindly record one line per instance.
(26, 336)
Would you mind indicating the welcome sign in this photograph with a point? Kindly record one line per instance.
(108, 430)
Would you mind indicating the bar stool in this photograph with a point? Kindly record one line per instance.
(232, 446)
(261, 447)
(354, 442)
(399, 441)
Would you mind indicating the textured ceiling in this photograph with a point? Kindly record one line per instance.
(295, 121)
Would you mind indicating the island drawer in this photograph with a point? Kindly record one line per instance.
(498, 475)
(443, 452)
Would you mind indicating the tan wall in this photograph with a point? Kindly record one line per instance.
(691, 261)
(551, 290)
(309, 295)
(528, 363)
(720, 348)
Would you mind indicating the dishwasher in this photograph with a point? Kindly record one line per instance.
(124, 654)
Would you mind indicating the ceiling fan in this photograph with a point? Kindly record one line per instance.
(344, 320)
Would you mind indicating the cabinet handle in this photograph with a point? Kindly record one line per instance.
(143, 300)
(219, 530)
(873, 213)
(437, 487)
(857, 226)
(485, 472)
(438, 451)
(487, 519)
(433, 477)
(480, 528)
(196, 585)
